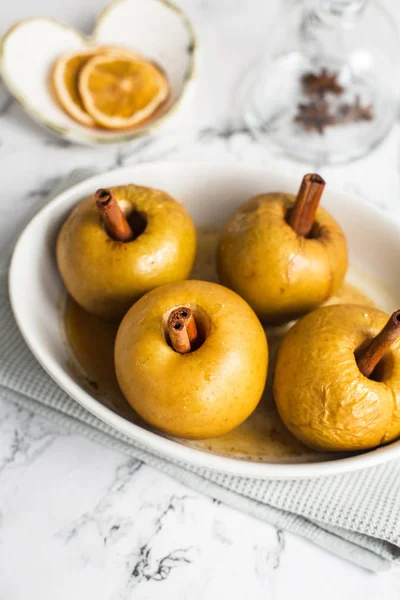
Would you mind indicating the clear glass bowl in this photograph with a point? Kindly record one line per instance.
(354, 45)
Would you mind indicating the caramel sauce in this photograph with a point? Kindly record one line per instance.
(262, 437)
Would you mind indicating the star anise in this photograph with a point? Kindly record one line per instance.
(314, 115)
(320, 84)
(349, 113)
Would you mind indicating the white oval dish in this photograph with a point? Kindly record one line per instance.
(210, 193)
(154, 28)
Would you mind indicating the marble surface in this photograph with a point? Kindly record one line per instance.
(80, 521)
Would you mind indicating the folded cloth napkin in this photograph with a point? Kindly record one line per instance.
(356, 516)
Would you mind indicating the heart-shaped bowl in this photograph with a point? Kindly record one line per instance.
(210, 193)
(154, 28)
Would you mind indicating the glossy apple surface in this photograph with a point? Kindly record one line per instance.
(281, 274)
(206, 392)
(106, 276)
(320, 393)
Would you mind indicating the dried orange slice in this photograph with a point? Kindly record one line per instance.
(121, 91)
(65, 77)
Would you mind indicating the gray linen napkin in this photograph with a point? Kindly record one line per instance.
(356, 516)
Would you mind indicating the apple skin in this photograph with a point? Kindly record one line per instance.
(280, 274)
(106, 276)
(320, 393)
(204, 393)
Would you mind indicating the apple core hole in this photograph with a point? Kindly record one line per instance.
(384, 369)
(316, 230)
(203, 324)
(137, 222)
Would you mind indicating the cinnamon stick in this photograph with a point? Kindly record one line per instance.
(302, 215)
(378, 347)
(114, 219)
(182, 330)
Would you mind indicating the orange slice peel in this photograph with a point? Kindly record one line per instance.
(119, 92)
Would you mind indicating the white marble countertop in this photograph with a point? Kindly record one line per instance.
(80, 521)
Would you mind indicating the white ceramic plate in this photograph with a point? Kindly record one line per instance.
(154, 28)
(210, 193)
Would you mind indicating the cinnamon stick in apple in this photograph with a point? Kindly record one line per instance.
(114, 219)
(182, 330)
(378, 347)
(302, 215)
